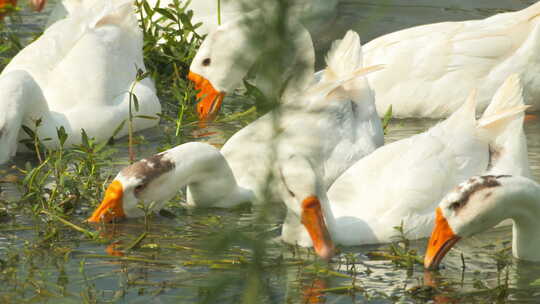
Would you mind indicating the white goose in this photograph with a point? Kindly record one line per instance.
(481, 203)
(77, 75)
(335, 125)
(403, 181)
(219, 65)
(432, 67)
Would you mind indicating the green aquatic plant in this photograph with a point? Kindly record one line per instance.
(404, 255)
(11, 39)
(170, 43)
(399, 252)
(10, 43)
(147, 211)
(132, 110)
(387, 118)
(64, 178)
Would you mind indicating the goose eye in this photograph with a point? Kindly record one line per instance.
(206, 62)
(139, 188)
(455, 205)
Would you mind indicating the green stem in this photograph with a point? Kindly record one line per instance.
(136, 242)
(69, 224)
(130, 134)
(180, 116)
(219, 12)
(128, 259)
(130, 126)
(341, 289)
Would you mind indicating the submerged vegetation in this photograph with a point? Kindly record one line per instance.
(48, 252)
(10, 45)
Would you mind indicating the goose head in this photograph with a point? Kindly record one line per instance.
(156, 179)
(300, 189)
(472, 207)
(220, 64)
(148, 180)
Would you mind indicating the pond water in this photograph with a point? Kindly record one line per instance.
(216, 255)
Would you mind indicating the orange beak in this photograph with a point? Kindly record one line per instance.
(111, 206)
(210, 99)
(441, 241)
(313, 220)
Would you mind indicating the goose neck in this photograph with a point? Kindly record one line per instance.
(209, 178)
(525, 213)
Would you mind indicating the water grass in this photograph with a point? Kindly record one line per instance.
(87, 232)
(10, 44)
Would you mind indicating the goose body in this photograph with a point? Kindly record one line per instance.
(333, 125)
(431, 68)
(402, 182)
(77, 75)
(481, 203)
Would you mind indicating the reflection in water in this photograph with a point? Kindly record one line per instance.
(435, 282)
(526, 280)
(311, 291)
(112, 249)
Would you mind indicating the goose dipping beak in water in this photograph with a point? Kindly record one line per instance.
(210, 98)
(214, 70)
(313, 220)
(111, 207)
(147, 178)
(481, 203)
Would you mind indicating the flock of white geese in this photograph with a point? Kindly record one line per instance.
(323, 146)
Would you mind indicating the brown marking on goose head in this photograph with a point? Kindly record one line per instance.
(148, 169)
(479, 183)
